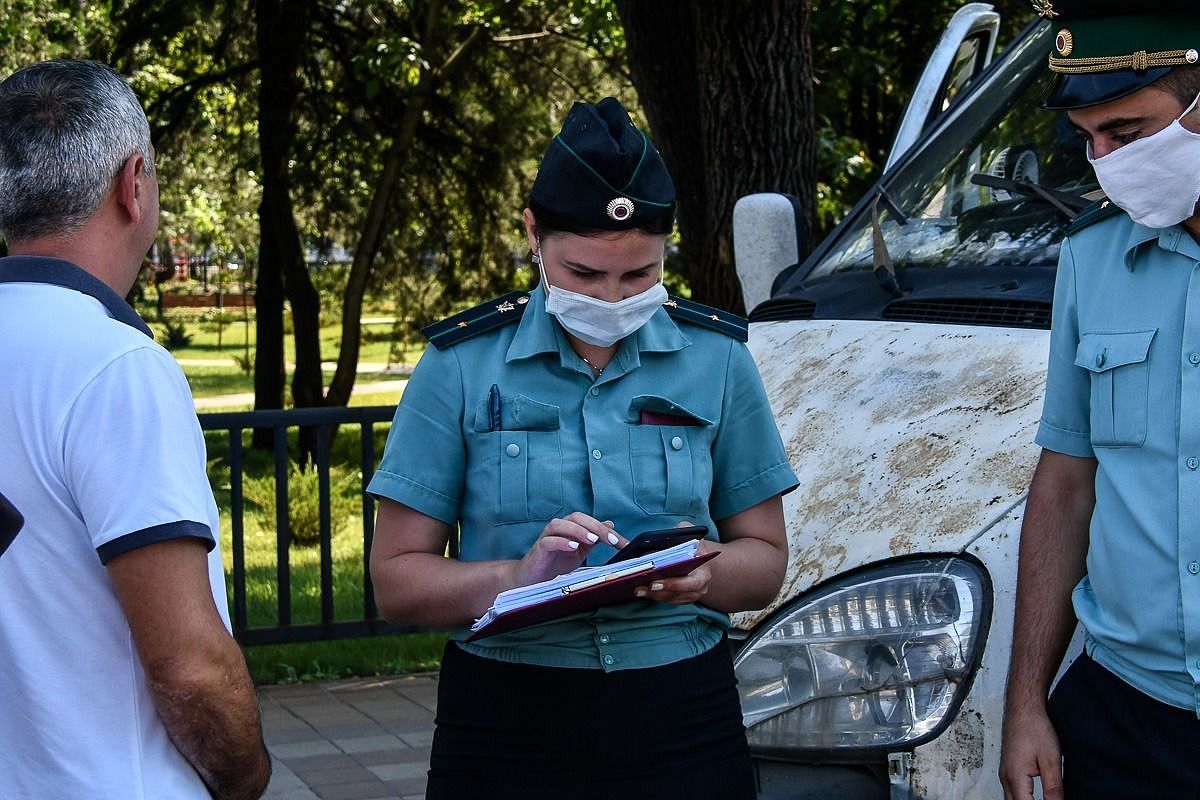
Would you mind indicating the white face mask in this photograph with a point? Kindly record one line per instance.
(1155, 179)
(599, 322)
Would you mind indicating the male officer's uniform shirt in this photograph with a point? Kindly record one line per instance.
(1124, 387)
(566, 443)
(102, 454)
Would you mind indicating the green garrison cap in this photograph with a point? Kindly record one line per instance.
(1105, 49)
(602, 173)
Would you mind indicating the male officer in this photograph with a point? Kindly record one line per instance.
(120, 678)
(1112, 523)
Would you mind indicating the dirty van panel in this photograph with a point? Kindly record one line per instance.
(942, 408)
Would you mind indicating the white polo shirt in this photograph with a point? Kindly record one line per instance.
(101, 452)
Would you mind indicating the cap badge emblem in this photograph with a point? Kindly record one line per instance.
(1044, 8)
(1064, 43)
(620, 209)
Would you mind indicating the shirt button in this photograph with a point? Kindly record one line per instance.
(1194, 567)
(513, 450)
(1194, 358)
(1192, 463)
(676, 443)
(609, 660)
(596, 454)
(604, 638)
(595, 392)
(1100, 359)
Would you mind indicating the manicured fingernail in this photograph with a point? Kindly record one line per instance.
(593, 538)
(640, 593)
(613, 538)
(573, 545)
(656, 587)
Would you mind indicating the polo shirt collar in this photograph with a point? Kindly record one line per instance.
(58, 272)
(539, 333)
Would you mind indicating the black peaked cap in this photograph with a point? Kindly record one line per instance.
(1104, 50)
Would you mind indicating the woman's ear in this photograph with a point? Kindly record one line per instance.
(531, 230)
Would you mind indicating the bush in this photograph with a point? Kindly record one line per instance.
(175, 335)
(304, 504)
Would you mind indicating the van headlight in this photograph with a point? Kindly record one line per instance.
(876, 659)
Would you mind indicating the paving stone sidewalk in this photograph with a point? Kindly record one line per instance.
(355, 739)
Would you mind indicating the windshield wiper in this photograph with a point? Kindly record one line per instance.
(1069, 204)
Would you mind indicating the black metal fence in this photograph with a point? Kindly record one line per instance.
(323, 422)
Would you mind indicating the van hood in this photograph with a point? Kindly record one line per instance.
(907, 437)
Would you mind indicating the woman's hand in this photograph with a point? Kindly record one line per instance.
(689, 588)
(564, 544)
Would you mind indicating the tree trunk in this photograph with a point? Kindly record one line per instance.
(727, 89)
(389, 180)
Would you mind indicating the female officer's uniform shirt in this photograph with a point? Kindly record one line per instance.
(566, 443)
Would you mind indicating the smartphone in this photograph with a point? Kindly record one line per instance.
(651, 541)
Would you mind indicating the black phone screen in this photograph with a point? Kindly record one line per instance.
(650, 541)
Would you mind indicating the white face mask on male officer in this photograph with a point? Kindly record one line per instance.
(599, 322)
(1156, 180)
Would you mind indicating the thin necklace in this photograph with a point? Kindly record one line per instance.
(598, 370)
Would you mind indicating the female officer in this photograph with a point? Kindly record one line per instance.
(550, 427)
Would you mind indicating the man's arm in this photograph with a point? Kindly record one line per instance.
(1052, 560)
(194, 669)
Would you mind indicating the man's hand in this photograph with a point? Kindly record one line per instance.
(1030, 749)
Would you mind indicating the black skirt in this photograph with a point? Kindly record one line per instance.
(519, 731)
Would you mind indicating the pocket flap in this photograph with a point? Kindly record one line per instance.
(518, 413)
(649, 409)
(1098, 352)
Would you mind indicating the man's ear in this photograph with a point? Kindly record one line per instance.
(129, 188)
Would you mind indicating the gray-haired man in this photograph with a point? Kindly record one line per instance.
(120, 677)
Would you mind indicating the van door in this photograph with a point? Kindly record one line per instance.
(964, 51)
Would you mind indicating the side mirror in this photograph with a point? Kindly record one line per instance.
(767, 239)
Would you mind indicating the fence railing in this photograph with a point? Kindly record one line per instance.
(322, 422)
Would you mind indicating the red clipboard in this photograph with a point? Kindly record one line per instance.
(603, 592)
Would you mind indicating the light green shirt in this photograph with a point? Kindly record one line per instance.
(1123, 388)
(567, 443)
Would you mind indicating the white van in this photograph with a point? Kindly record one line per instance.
(905, 359)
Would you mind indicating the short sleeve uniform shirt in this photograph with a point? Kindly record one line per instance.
(1124, 387)
(676, 428)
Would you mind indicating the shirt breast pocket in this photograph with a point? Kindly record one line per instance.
(1120, 376)
(522, 457)
(669, 455)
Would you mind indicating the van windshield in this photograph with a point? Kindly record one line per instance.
(966, 200)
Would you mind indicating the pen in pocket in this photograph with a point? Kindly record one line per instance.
(494, 408)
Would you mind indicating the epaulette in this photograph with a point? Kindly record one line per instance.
(473, 321)
(709, 317)
(1096, 212)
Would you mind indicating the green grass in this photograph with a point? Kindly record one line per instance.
(213, 381)
(234, 337)
(321, 661)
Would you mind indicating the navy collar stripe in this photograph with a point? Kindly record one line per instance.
(57, 272)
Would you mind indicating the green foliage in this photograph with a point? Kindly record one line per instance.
(174, 335)
(304, 511)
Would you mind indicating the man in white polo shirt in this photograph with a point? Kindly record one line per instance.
(118, 675)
